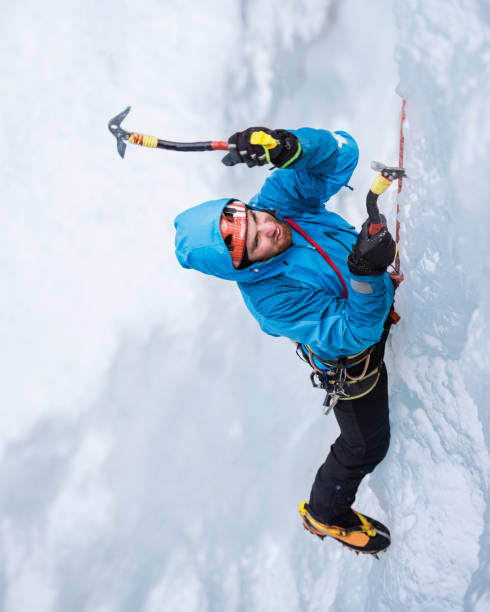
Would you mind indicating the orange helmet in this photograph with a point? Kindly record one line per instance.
(233, 227)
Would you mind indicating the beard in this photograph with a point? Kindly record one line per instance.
(286, 238)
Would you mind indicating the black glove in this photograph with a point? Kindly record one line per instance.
(278, 147)
(371, 255)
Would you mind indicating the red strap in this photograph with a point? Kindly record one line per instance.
(296, 227)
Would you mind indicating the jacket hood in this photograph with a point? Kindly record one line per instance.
(199, 245)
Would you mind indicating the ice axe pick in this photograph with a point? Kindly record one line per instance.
(144, 140)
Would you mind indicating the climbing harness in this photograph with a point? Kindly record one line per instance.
(348, 378)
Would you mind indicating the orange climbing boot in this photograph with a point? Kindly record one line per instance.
(354, 530)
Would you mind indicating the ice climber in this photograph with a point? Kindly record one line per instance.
(306, 274)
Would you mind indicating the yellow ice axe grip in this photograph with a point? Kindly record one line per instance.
(143, 140)
(380, 184)
(264, 139)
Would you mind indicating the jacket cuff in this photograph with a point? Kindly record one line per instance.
(367, 284)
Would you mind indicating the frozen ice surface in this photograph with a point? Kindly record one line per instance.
(154, 444)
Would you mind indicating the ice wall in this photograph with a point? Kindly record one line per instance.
(154, 444)
(440, 467)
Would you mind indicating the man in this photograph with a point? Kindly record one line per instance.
(306, 274)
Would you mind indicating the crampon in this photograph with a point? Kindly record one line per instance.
(357, 532)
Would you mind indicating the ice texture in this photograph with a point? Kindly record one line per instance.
(155, 445)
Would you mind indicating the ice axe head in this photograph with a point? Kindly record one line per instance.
(120, 134)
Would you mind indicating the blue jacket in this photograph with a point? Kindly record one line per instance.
(297, 294)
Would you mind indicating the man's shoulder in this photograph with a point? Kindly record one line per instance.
(274, 295)
(271, 285)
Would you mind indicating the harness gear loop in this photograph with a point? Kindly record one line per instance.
(363, 372)
(335, 391)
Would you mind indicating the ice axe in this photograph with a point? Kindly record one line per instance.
(388, 174)
(144, 140)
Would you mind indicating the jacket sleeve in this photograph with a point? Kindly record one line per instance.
(331, 326)
(327, 162)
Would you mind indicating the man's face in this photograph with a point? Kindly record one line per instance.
(266, 236)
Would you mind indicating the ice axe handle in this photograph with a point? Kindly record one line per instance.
(375, 228)
(157, 143)
(379, 186)
(219, 145)
(375, 223)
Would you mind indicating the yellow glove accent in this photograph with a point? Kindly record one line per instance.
(380, 184)
(264, 139)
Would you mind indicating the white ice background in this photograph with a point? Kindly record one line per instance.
(154, 444)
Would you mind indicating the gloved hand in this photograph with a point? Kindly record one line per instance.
(257, 146)
(371, 255)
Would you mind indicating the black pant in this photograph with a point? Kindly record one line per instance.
(362, 444)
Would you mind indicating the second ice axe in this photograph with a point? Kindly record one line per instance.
(144, 140)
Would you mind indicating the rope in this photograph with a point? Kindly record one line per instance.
(397, 275)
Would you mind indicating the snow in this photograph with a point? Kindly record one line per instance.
(155, 445)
